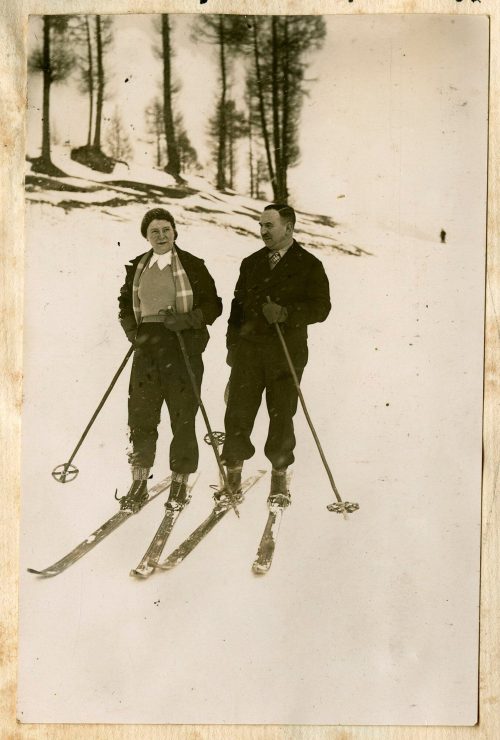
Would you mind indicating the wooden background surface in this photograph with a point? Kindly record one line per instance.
(13, 16)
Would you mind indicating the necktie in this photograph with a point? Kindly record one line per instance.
(274, 258)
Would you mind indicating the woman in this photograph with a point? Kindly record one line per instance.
(166, 290)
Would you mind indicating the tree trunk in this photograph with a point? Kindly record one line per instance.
(263, 123)
(90, 80)
(158, 141)
(157, 115)
(250, 153)
(173, 162)
(100, 84)
(276, 109)
(47, 79)
(285, 111)
(221, 154)
(230, 149)
(231, 165)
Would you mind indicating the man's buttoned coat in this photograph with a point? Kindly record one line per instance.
(298, 282)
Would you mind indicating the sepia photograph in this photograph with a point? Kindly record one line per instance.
(253, 359)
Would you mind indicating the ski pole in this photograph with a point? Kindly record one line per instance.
(211, 436)
(67, 472)
(339, 507)
(219, 439)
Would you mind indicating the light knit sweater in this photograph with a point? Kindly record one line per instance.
(156, 290)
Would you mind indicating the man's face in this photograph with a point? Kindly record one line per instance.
(160, 235)
(275, 232)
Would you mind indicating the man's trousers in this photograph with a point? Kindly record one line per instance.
(259, 367)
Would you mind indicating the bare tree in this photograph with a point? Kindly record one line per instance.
(117, 140)
(236, 129)
(155, 126)
(188, 156)
(261, 177)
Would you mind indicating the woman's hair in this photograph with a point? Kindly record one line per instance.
(157, 213)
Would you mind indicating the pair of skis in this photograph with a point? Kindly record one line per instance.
(150, 558)
(99, 535)
(150, 561)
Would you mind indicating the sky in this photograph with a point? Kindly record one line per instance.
(393, 129)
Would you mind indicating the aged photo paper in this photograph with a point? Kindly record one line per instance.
(371, 619)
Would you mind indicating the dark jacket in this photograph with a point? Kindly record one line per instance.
(204, 297)
(298, 282)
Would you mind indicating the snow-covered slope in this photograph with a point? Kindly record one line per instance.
(360, 621)
(195, 202)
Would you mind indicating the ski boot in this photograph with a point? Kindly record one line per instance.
(135, 498)
(179, 496)
(233, 475)
(279, 495)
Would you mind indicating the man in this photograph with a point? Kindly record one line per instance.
(166, 291)
(281, 283)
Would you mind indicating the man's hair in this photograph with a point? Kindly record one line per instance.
(286, 213)
(160, 214)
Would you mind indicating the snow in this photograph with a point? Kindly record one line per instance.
(372, 620)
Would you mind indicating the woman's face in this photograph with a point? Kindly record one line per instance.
(160, 235)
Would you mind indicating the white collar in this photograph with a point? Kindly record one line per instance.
(163, 260)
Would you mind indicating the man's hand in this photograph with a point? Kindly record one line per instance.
(274, 313)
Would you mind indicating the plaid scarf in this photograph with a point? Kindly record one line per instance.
(183, 290)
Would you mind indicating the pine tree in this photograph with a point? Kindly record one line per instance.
(89, 77)
(258, 92)
(173, 166)
(55, 60)
(93, 38)
(103, 38)
(80, 35)
(228, 33)
(276, 83)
